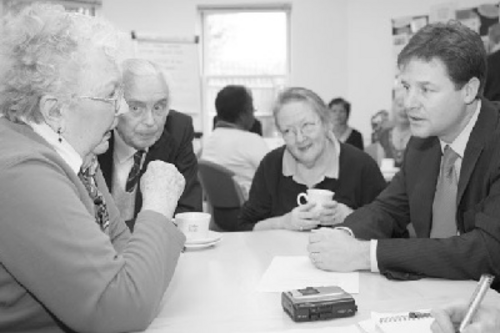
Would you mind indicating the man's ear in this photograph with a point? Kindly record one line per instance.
(51, 111)
(471, 90)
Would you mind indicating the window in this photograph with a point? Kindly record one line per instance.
(248, 47)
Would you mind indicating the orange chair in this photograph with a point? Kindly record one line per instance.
(224, 195)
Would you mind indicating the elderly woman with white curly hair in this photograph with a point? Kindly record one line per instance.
(67, 261)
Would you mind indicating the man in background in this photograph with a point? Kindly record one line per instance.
(148, 131)
(492, 85)
(448, 187)
(231, 144)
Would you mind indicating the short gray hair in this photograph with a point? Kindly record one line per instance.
(299, 94)
(134, 67)
(43, 51)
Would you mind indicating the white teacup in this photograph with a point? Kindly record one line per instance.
(316, 195)
(194, 225)
(387, 164)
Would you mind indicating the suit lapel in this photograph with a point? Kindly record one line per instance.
(485, 125)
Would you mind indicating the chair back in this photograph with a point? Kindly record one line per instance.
(223, 193)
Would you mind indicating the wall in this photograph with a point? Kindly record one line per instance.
(316, 61)
(338, 47)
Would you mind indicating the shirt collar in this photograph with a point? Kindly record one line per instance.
(123, 151)
(63, 148)
(333, 154)
(458, 145)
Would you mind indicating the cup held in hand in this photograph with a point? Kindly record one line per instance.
(194, 225)
(315, 195)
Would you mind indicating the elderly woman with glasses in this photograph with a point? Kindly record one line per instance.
(67, 261)
(311, 158)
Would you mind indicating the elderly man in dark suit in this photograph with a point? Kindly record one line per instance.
(148, 131)
(449, 184)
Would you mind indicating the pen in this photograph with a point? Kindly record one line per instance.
(476, 299)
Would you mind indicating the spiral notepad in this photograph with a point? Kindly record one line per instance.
(408, 322)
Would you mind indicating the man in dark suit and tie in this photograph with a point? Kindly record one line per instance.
(448, 187)
(148, 131)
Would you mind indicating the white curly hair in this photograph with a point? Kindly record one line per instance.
(43, 51)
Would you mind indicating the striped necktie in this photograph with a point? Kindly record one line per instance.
(133, 176)
(444, 207)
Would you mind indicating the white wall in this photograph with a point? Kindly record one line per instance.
(338, 47)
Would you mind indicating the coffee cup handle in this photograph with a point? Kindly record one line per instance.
(302, 196)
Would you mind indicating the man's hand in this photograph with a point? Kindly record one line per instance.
(335, 250)
(161, 187)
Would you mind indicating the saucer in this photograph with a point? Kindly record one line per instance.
(192, 246)
(213, 236)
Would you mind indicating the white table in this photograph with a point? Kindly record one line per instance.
(214, 290)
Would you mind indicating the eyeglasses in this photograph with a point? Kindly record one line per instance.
(306, 129)
(116, 101)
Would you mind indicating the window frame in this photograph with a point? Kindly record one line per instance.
(208, 110)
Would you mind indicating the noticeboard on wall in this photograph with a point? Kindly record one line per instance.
(179, 59)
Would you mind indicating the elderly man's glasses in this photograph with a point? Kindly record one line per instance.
(306, 128)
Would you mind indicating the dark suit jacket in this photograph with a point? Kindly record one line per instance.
(409, 198)
(492, 85)
(174, 146)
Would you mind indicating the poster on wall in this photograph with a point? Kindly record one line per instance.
(480, 19)
(443, 12)
(402, 30)
(179, 60)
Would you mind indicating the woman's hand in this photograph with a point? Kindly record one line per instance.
(333, 213)
(161, 187)
(303, 217)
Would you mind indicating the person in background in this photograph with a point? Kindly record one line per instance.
(340, 111)
(492, 84)
(311, 158)
(67, 260)
(448, 319)
(448, 187)
(149, 131)
(231, 144)
(256, 127)
(379, 122)
(392, 140)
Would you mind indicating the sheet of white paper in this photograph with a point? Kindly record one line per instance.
(343, 329)
(286, 273)
(368, 326)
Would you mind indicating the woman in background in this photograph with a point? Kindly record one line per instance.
(392, 141)
(341, 110)
(67, 261)
(311, 158)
